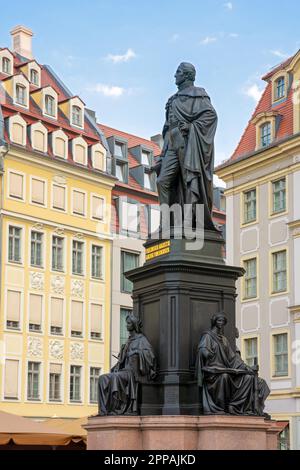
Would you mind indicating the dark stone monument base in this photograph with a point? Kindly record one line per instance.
(176, 293)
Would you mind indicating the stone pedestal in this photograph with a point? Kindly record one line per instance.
(181, 433)
(176, 293)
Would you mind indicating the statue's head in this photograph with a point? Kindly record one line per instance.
(219, 320)
(184, 72)
(133, 323)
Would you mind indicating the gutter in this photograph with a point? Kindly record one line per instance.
(4, 148)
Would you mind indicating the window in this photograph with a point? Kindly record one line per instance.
(119, 150)
(6, 65)
(13, 310)
(38, 191)
(59, 197)
(97, 262)
(128, 261)
(16, 185)
(78, 203)
(34, 77)
(36, 257)
(75, 383)
(98, 160)
(265, 134)
(56, 312)
(77, 257)
(130, 217)
(97, 207)
(11, 379)
(280, 345)
(284, 438)
(250, 279)
(121, 172)
(57, 253)
(55, 382)
(123, 325)
(14, 245)
(153, 219)
(76, 116)
(251, 356)
(50, 105)
(279, 195)
(280, 88)
(35, 312)
(80, 154)
(94, 376)
(250, 206)
(96, 321)
(33, 381)
(76, 318)
(147, 181)
(60, 147)
(18, 133)
(279, 271)
(21, 95)
(145, 158)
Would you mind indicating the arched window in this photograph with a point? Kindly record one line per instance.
(50, 105)
(280, 88)
(265, 134)
(76, 116)
(34, 77)
(21, 94)
(6, 65)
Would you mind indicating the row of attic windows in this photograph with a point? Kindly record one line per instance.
(17, 128)
(46, 98)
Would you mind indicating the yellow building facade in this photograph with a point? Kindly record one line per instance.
(55, 250)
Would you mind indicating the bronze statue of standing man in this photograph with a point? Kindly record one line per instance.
(185, 169)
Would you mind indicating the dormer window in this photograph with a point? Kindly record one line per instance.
(76, 116)
(21, 95)
(121, 172)
(147, 181)
(50, 105)
(265, 134)
(145, 158)
(34, 77)
(6, 65)
(280, 88)
(119, 150)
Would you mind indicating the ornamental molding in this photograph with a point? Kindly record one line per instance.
(80, 236)
(59, 231)
(77, 288)
(58, 284)
(59, 179)
(34, 347)
(37, 281)
(56, 349)
(77, 351)
(38, 226)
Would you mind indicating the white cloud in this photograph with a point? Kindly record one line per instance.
(254, 92)
(111, 91)
(233, 35)
(129, 54)
(228, 5)
(279, 54)
(218, 182)
(208, 40)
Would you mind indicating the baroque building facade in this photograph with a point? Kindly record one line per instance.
(263, 236)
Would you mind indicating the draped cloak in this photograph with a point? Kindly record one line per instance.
(224, 378)
(192, 106)
(117, 389)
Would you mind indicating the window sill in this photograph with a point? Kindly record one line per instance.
(35, 400)
(251, 299)
(277, 294)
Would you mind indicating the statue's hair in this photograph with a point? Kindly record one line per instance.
(215, 317)
(189, 70)
(136, 321)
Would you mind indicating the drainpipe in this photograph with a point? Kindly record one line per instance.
(4, 148)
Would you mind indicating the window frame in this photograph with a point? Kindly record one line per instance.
(6, 60)
(20, 291)
(61, 387)
(272, 253)
(81, 390)
(245, 221)
(24, 102)
(54, 105)
(273, 212)
(43, 246)
(272, 349)
(41, 331)
(101, 277)
(64, 249)
(83, 257)
(93, 366)
(40, 382)
(63, 332)
(45, 204)
(244, 347)
(81, 191)
(245, 298)
(101, 337)
(16, 399)
(61, 211)
(80, 114)
(20, 262)
(122, 277)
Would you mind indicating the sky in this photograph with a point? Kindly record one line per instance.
(120, 56)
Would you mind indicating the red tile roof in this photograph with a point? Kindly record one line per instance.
(284, 109)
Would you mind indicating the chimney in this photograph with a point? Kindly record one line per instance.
(158, 140)
(21, 41)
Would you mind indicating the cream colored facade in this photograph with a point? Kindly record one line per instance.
(269, 312)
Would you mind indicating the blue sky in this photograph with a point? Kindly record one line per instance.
(120, 55)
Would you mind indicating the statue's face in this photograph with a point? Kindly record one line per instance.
(220, 322)
(180, 76)
(129, 324)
